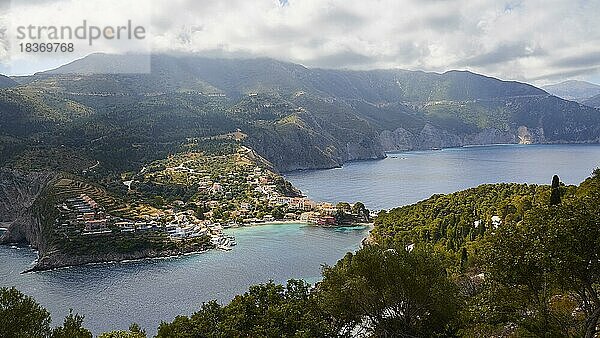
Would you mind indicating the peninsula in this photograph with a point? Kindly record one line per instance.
(172, 206)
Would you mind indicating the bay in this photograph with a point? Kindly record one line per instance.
(113, 295)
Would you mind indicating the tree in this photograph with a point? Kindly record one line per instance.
(271, 310)
(389, 293)
(340, 217)
(134, 332)
(204, 323)
(552, 254)
(278, 212)
(200, 210)
(72, 328)
(555, 195)
(21, 316)
(361, 211)
(518, 276)
(266, 310)
(464, 257)
(344, 206)
(574, 242)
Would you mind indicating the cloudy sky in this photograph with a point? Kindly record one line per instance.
(538, 41)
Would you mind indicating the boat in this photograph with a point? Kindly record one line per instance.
(231, 240)
(223, 242)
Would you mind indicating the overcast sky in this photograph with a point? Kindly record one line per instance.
(538, 41)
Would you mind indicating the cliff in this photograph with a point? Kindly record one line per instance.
(305, 141)
(19, 192)
(431, 137)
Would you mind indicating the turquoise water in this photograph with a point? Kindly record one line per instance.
(114, 295)
(405, 178)
(111, 296)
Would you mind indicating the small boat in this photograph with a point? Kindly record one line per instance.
(230, 240)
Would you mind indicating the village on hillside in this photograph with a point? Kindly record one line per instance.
(192, 195)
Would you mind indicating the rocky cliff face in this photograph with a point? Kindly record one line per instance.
(321, 157)
(530, 135)
(304, 143)
(18, 194)
(334, 155)
(431, 137)
(296, 153)
(358, 151)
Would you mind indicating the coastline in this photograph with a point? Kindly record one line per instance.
(63, 261)
(305, 223)
(253, 224)
(57, 261)
(402, 151)
(297, 222)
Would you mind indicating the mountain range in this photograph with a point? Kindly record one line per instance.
(6, 82)
(296, 117)
(593, 101)
(574, 90)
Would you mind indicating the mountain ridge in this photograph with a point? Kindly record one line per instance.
(6, 82)
(219, 71)
(573, 90)
(296, 117)
(593, 102)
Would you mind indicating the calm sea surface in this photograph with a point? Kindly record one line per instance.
(405, 178)
(111, 296)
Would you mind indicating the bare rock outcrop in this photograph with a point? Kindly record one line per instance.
(18, 194)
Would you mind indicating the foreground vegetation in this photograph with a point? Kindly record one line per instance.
(501, 260)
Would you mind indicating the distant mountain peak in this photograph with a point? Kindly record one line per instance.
(6, 82)
(593, 102)
(574, 90)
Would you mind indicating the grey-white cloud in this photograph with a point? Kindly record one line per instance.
(530, 40)
(590, 59)
(502, 53)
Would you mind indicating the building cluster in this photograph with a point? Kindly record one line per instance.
(496, 222)
(298, 208)
(246, 192)
(83, 213)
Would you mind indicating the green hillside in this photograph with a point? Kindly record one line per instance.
(296, 117)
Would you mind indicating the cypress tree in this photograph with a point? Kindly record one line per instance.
(464, 257)
(555, 195)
